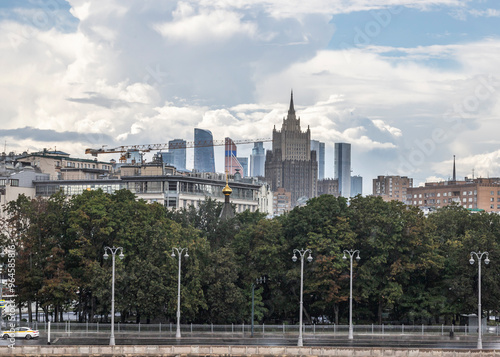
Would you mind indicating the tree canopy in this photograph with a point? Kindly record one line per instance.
(413, 269)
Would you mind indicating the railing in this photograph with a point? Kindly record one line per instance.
(263, 330)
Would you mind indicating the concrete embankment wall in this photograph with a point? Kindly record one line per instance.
(225, 351)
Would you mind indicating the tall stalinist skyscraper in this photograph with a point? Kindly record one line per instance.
(291, 164)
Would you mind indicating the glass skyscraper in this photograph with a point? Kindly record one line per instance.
(231, 163)
(258, 160)
(204, 160)
(342, 168)
(178, 148)
(319, 147)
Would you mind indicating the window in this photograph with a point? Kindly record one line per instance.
(444, 194)
(492, 199)
(438, 201)
(470, 199)
(439, 194)
(470, 192)
(464, 193)
(3, 182)
(464, 199)
(492, 192)
(14, 182)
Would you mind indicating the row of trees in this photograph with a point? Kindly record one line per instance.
(413, 269)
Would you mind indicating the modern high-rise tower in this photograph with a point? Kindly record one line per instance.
(244, 163)
(356, 185)
(342, 168)
(203, 151)
(291, 164)
(178, 148)
(319, 147)
(231, 163)
(258, 160)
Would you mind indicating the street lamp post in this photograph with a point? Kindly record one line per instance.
(479, 256)
(302, 253)
(113, 252)
(351, 255)
(179, 253)
(260, 280)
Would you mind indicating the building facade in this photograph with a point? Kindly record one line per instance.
(153, 182)
(319, 147)
(258, 160)
(15, 181)
(291, 164)
(282, 201)
(244, 164)
(392, 187)
(59, 165)
(204, 159)
(328, 187)
(231, 163)
(356, 185)
(342, 168)
(474, 194)
(178, 147)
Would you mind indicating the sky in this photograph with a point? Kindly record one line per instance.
(408, 83)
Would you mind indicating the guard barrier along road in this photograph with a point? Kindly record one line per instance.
(216, 351)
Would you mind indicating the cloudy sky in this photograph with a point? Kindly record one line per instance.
(409, 83)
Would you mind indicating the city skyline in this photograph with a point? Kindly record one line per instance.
(408, 83)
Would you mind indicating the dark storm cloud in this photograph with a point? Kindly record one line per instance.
(99, 100)
(48, 135)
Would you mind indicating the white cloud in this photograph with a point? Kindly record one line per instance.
(480, 165)
(229, 66)
(385, 127)
(485, 13)
(204, 25)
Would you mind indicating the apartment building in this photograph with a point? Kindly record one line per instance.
(392, 187)
(282, 201)
(474, 194)
(154, 182)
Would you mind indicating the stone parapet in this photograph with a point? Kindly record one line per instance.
(237, 351)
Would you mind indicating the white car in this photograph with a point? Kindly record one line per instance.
(21, 332)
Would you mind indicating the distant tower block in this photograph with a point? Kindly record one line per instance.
(203, 151)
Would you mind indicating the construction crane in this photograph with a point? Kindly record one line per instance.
(169, 146)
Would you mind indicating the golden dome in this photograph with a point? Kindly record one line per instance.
(227, 190)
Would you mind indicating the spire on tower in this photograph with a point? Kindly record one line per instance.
(454, 171)
(292, 109)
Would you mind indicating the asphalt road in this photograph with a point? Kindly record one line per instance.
(402, 341)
